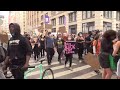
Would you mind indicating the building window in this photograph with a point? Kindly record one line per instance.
(107, 26)
(73, 29)
(117, 15)
(88, 14)
(54, 30)
(72, 16)
(88, 26)
(107, 14)
(53, 21)
(61, 20)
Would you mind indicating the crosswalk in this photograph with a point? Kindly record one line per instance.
(80, 71)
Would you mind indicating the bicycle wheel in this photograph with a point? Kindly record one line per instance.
(48, 74)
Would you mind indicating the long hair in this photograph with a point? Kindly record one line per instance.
(109, 33)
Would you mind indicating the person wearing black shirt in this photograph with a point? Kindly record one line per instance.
(80, 46)
(42, 46)
(18, 52)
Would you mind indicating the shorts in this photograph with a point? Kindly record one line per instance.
(104, 60)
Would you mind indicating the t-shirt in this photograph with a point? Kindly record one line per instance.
(88, 38)
(49, 42)
(59, 43)
(17, 50)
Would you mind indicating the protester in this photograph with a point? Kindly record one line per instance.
(18, 52)
(106, 50)
(60, 46)
(80, 40)
(68, 54)
(88, 41)
(42, 46)
(36, 52)
(49, 45)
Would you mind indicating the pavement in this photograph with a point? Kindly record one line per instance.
(80, 70)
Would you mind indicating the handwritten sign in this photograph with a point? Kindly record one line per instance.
(70, 47)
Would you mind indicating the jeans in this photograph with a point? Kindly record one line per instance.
(50, 53)
(80, 52)
(68, 58)
(59, 50)
(42, 51)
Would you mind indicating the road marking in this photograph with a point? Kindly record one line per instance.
(56, 75)
(86, 76)
(53, 68)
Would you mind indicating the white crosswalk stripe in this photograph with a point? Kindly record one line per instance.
(65, 72)
(86, 76)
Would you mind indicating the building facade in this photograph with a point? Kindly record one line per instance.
(20, 18)
(73, 22)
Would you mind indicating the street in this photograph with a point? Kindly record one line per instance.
(80, 70)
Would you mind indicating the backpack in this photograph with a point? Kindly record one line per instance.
(2, 54)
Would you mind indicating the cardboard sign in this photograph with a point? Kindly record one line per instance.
(92, 60)
(62, 29)
(70, 47)
(4, 38)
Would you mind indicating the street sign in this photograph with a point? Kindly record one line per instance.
(1, 21)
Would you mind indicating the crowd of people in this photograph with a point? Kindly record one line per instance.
(21, 48)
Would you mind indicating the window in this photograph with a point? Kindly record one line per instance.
(107, 14)
(54, 30)
(61, 20)
(72, 16)
(88, 26)
(117, 15)
(88, 14)
(107, 26)
(53, 21)
(84, 14)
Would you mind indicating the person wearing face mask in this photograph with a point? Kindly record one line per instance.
(80, 46)
(68, 55)
(106, 50)
(18, 52)
(60, 47)
(49, 46)
(42, 46)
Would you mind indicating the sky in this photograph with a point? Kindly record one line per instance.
(5, 13)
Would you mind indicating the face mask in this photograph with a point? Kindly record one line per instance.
(69, 38)
(59, 38)
(81, 35)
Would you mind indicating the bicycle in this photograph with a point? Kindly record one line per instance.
(43, 73)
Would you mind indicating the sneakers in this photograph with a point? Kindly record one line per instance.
(71, 68)
(97, 71)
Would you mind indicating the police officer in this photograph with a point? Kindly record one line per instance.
(18, 52)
